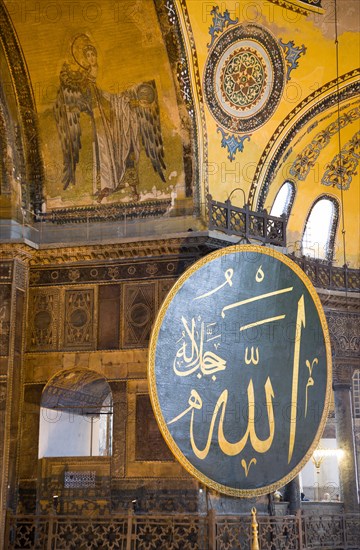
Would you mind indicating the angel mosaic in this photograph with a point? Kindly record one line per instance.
(122, 124)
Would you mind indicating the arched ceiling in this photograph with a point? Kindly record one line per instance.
(261, 142)
(235, 95)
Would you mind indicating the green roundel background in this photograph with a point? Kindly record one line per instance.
(239, 370)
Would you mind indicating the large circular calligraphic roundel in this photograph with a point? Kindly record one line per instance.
(239, 370)
(244, 78)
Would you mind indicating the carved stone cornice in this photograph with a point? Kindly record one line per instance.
(21, 252)
(192, 245)
(140, 260)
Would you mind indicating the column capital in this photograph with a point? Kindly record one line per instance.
(344, 330)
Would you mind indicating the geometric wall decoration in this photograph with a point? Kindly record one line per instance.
(79, 324)
(266, 171)
(232, 142)
(139, 311)
(42, 330)
(344, 331)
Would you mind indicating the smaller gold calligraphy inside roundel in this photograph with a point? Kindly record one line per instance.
(243, 78)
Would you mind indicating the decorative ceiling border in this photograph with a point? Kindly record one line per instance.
(304, 7)
(190, 54)
(267, 165)
(31, 188)
(188, 88)
(170, 28)
(7, 135)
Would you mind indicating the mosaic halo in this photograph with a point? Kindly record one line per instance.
(244, 78)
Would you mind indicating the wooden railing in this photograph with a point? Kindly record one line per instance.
(262, 227)
(182, 532)
(324, 274)
(246, 223)
(341, 531)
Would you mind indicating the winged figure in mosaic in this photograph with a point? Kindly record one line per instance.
(122, 124)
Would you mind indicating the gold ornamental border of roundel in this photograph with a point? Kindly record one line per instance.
(184, 461)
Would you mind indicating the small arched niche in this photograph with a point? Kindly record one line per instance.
(76, 415)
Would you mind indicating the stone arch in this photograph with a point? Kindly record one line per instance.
(76, 415)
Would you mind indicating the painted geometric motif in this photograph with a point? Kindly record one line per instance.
(232, 142)
(220, 22)
(343, 167)
(292, 54)
(244, 78)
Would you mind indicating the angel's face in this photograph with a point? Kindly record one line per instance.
(91, 57)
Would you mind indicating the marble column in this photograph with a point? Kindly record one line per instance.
(345, 440)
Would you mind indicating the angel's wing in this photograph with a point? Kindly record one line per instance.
(70, 102)
(148, 114)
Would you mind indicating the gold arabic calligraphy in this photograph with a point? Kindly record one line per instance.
(191, 357)
(231, 449)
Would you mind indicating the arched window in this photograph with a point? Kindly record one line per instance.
(283, 200)
(320, 228)
(76, 415)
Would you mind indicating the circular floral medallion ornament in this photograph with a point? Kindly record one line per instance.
(244, 78)
(240, 370)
